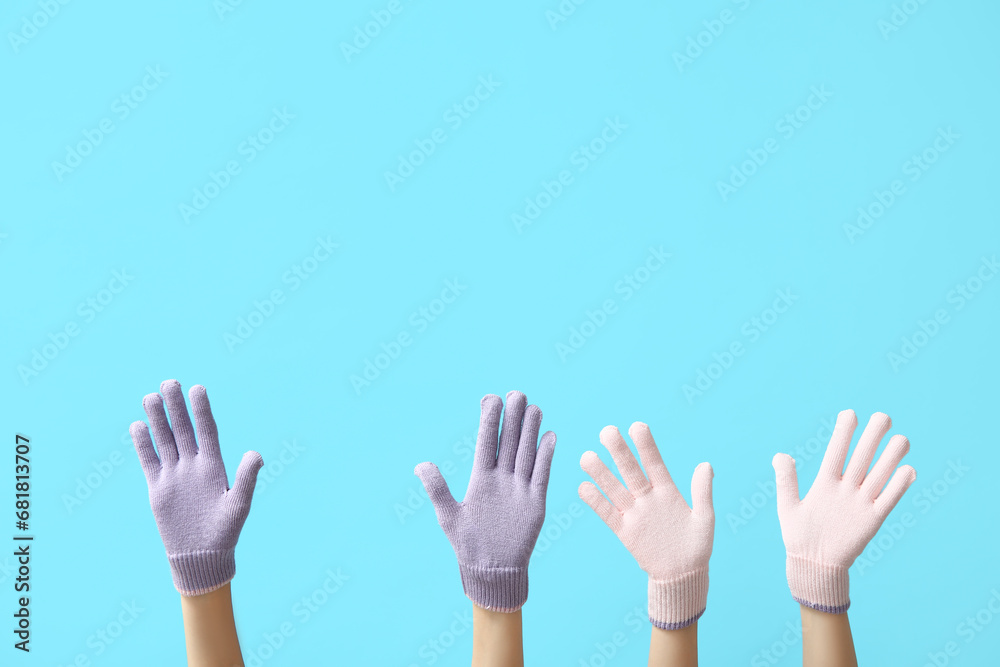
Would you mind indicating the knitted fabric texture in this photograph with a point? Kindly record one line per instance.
(828, 529)
(198, 515)
(494, 529)
(669, 540)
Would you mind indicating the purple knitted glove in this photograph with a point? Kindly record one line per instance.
(495, 528)
(198, 515)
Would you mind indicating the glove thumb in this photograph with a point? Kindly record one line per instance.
(245, 482)
(437, 490)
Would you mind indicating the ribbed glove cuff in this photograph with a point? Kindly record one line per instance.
(821, 587)
(200, 572)
(677, 603)
(495, 588)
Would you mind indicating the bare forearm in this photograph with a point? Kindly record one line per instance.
(826, 640)
(210, 630)
(496, 638)
(674, 648)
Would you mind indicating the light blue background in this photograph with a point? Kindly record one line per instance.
(336, 505)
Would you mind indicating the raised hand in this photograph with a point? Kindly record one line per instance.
(828, 529)
(494, 529)
(198, 515)
(671, 541)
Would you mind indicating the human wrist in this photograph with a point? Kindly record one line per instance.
(820, 586)
(500, 589)
(200, 572)
(676, 602)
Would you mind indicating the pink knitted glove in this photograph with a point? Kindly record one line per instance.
(825, 531)
(669, 540)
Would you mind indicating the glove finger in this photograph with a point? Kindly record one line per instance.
(180, 421)
(840, 442)
(208, 432)
(144, 448)
(510, 432)
(628, 467)
(786, 480)
(543, 462)
(165, 447)
(437, 489)
(649, 453)
(528, 444)
(606, 480)
(609, 515)
(489, 425)
(878, 426)
(895, 489)
(701, 490)
(892, 456)
(246, 480)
